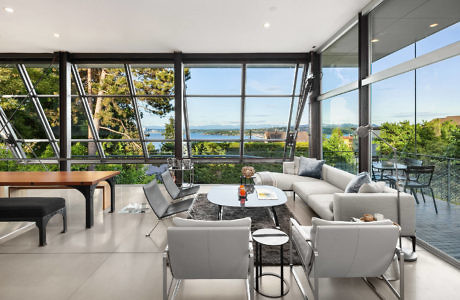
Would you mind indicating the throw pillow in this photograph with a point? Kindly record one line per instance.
(373, 187)
(360, 179)
(310, 167)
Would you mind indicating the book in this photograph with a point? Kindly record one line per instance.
(266, 194)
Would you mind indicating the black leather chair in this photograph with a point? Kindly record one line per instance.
(161, 206)
(173, 190)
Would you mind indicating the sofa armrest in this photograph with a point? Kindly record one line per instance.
(348, 205)
(289, 167)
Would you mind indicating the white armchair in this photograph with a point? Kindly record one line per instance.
(346, 249)
(208, 250)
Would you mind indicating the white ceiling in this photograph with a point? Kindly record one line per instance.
(211, 26)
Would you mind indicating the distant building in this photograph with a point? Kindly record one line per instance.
(348, 140)
(455, 119)
(302, 136)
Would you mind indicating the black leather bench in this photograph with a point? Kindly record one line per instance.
(33, 209)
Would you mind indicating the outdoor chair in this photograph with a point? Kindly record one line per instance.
(334, 249)
(419, 178)
(173, 190)
(208, 250)
(161, 206)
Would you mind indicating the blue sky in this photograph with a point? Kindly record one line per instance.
(436, 87)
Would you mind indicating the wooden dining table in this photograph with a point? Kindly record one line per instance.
(83, 181)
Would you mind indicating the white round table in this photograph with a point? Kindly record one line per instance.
(227, 195)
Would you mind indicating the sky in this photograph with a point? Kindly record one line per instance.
(436, 88)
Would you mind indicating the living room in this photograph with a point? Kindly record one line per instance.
(143, 143)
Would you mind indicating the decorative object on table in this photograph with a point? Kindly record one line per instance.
(203, 209)
(364, 131)
(310, 167)
(270, 237)
(248, 171)
(265, 194)
(242, 195)
(355, 184)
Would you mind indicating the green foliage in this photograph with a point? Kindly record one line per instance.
(228, 173)
(337, 152)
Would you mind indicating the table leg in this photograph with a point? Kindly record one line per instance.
(220, 213)
(88, 192)
(111, 182)
(274, 216)
(257, 266)
(282, 271)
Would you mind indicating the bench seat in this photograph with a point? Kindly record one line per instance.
(33, 209)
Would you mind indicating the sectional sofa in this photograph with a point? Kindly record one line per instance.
(326, 196)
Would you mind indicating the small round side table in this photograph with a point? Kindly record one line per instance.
(270, 237)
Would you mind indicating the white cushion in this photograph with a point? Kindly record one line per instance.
(373, 187)
(304, 189)
(285, 181)
(321, 204)
(357, 181)
(337, 177)
(180, 222)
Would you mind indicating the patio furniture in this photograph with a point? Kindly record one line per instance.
(161, 206)
(419, 178)
(392, 167)
(227, 195)
(270, 237)
(331, 249)
(208, 250)
(173, 190)
(33, 209)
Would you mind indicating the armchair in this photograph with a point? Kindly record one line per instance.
(173, 190)
(346, 249)
(208, 250)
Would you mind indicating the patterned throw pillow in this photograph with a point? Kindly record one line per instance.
(310, 167)
(360, 179)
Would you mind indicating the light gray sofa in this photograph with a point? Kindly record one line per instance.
(327, 199)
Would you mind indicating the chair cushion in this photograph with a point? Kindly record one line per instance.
(304, 189)
(360, 179)
(310, 167)
(321, 204)
(29, 207)
(180, 222)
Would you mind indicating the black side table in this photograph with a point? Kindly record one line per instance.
(270, 237)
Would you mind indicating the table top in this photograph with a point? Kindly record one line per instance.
(270, 237)
(55, 177)
(227, 195)
(387, 166)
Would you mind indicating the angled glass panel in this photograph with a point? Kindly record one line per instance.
(339, 62)
(80, 128)
(50, 106)
(155, 80)
(299, 79)
(45, 78)
(339, 120)
(214, 118)
(104, 79)
(269, 79)
(116, 119)
(213, 79)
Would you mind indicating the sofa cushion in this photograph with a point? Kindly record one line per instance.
(321, 204)
(373, 187)
(310, 167)
(280, 180)
(304, 189)
(354, 184)
(337, 177)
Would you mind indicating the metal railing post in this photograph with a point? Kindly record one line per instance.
(448, 179)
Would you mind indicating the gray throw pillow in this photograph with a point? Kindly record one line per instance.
(360, 179)
(310, 167)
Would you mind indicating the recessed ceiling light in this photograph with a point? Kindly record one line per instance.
(374, 40)
(434, 25)
(8, 10)
(266, 25)
(56, 35)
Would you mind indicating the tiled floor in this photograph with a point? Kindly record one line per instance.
(114, 260)
(441, 230)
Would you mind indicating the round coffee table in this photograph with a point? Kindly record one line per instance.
(270, 237)
(227, 195)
